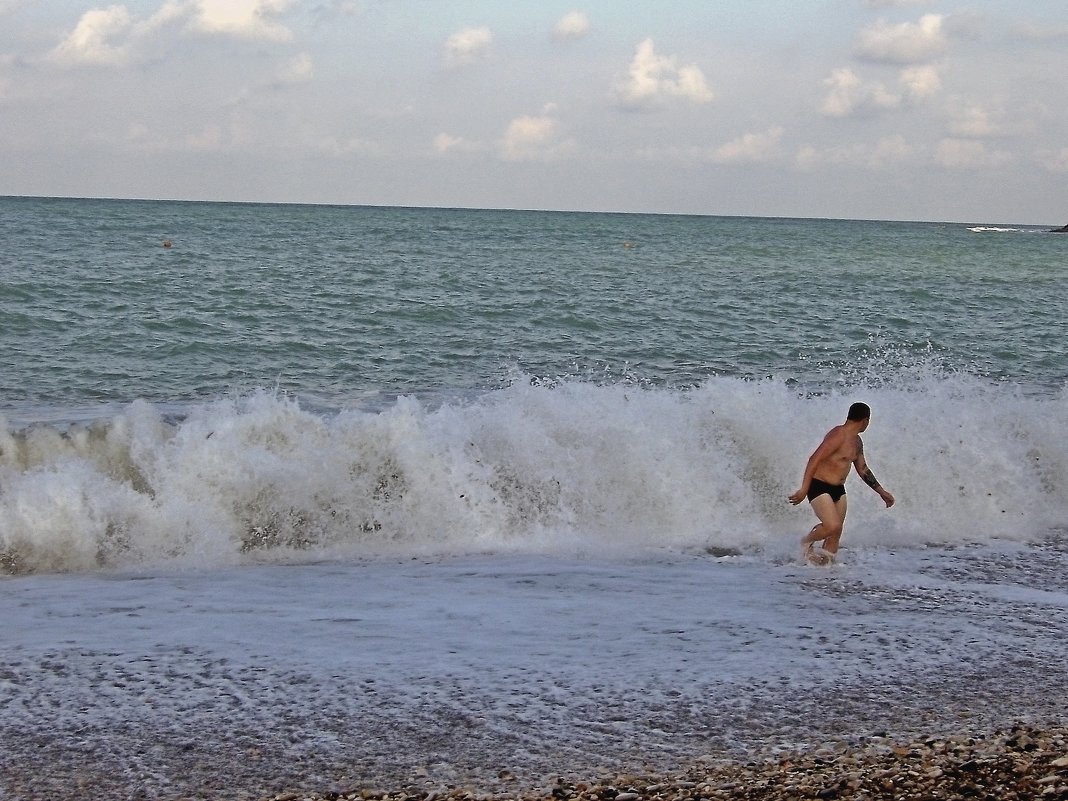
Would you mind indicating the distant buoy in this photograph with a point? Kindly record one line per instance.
(167, 243)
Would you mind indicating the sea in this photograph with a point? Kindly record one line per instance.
(300, 497)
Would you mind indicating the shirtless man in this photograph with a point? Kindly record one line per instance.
(824, 482)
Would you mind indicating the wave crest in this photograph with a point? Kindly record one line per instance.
(574, 467)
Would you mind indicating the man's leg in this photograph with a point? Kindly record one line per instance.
(829, 529)
(830, 545)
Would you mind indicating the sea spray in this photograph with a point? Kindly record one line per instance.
(572, 468)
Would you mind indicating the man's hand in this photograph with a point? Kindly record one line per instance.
(799, 496)
(888, 499)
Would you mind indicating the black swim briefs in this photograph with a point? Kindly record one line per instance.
(817, 488)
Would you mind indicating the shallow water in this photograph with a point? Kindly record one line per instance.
(451, 671)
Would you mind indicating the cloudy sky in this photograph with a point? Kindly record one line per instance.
(889, 109)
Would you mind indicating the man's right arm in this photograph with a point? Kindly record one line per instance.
(868, 477)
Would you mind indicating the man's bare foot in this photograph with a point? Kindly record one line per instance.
(818, 556)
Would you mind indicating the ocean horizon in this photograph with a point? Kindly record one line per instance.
(994, 224)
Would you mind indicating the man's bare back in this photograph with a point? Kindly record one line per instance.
(844, 448)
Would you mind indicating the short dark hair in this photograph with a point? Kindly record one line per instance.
(859, 411)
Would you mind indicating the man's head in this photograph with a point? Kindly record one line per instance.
(859, 412)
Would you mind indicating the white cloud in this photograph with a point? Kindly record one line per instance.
(445, 143)
(245, 19)
(651, 77)
(904, 43)
(573, 25)
(843, 87)
(920, 82)
(534, 138)
(97, 39)
(468, 46)
(171, 11)
(967, 153)
(752, 148)
(884, 154)
(848, 95)
(972, 121)
(113, 37)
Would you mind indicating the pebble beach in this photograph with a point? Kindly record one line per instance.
(1019, 763)
(1022, 762)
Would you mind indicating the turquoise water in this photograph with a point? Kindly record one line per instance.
(333, 303)
(301, 379)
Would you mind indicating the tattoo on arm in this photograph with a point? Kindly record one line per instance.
(870, 479)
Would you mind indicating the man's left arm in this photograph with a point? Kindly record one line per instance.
(868, 477)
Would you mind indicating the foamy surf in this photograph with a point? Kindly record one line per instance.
(571, 468)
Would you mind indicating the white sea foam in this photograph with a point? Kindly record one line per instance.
(576, 468)
(996, 229)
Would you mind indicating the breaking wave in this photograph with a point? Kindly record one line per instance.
(573, 467)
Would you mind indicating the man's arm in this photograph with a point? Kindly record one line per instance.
(869, 478)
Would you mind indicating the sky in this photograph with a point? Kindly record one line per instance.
(864, 109)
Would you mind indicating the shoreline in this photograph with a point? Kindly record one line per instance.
(1020, 762)
(1023, 761)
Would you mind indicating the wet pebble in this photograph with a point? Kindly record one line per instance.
(1024, 762)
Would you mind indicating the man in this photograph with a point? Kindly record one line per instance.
(824, 483)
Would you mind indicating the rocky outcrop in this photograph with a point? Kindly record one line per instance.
(1063, 230)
